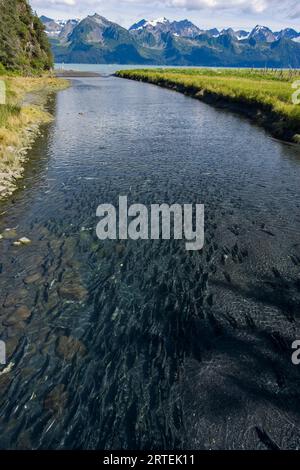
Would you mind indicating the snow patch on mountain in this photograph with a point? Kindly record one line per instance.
(156, 22)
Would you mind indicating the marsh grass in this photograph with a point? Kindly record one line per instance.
(268, 90)
(19, 123)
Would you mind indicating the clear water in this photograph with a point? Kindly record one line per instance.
(143, 345)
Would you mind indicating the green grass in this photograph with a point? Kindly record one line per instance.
(268, 90)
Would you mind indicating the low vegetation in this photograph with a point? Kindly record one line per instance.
(20, 121)
(264, 95)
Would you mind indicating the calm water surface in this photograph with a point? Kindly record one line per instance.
(143, 344)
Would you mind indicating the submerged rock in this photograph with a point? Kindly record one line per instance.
(33, 278)
(11, 320)
(23, 312)
(57, 399)
(24, 241)
(4, 384)
(15, 325)
(73, 292)
(11, 347)
(68, 347)
(9, 234)
(18, 297)
(12, 299)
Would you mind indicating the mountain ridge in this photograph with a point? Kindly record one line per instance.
(95, 39)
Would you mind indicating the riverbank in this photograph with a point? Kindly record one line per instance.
(20, 121)
(262, 95)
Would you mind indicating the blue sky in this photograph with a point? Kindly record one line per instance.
(276, 14)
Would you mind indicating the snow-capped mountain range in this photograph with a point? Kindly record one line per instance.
(54, 28)
(183, 28)
(187, 29)
(95, 39)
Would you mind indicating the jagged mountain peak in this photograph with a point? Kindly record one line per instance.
(288, 33)
(161, 20)
(184, 28)
(97, 16)
(59, 28)
(260, 27)
(138, 25)
(227, 31)
(213, 32)
(262, 34)
(98, 19)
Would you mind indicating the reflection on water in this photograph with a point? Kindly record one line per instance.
(143, 344)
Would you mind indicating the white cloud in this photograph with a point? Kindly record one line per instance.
(286, 8)
(56, 2)
(257, 6)
(199, 4)
(276, 13)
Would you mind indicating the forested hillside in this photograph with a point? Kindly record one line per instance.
(24, 44)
